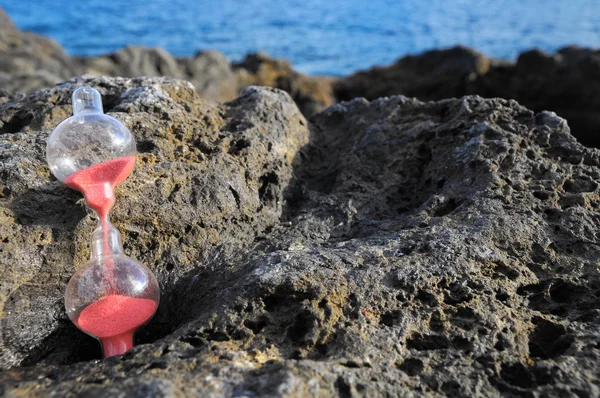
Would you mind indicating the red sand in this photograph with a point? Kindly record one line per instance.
(97, 182)
(114, 319)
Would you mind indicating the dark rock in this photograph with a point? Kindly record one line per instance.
(211, 73)
(312, 94)
(536, 62)
(432, 75)
(31, 62)
(134, 61)
(567, 82)
(400, 248)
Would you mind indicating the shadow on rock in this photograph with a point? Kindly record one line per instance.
(50, 204)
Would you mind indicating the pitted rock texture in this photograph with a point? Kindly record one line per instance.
(384, 248)
(179, 206)
(565, 82)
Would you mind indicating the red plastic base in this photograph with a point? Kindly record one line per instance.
(117, 345)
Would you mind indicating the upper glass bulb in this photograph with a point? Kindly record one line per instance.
(87, 138)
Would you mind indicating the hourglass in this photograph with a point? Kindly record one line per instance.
(112, 295)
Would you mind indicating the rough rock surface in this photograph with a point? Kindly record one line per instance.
(566, 82)
(206, 186)
(209, 71)
(386, 248)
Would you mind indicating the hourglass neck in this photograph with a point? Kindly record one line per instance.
(106, 240)
(86, 100)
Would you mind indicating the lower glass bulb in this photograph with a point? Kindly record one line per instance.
(112, 295)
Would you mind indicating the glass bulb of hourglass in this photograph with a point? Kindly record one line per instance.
(112, 295)
(87, 138)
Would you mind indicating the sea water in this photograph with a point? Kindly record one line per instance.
(330, 37)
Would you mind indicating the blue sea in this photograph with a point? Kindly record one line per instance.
(320, 37)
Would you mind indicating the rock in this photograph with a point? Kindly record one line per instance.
(5, 21)
(27, 82)
(23, 53)
(211, 73)
(567, 82)
(187, 211)
(388, 248)
(536, 61)
(214, 76)
(30, 62)
(311, 94)
(433, 75)
(134, 61)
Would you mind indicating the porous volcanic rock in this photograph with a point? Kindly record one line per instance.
(567, 82)
(179, 206)
(385, 248)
